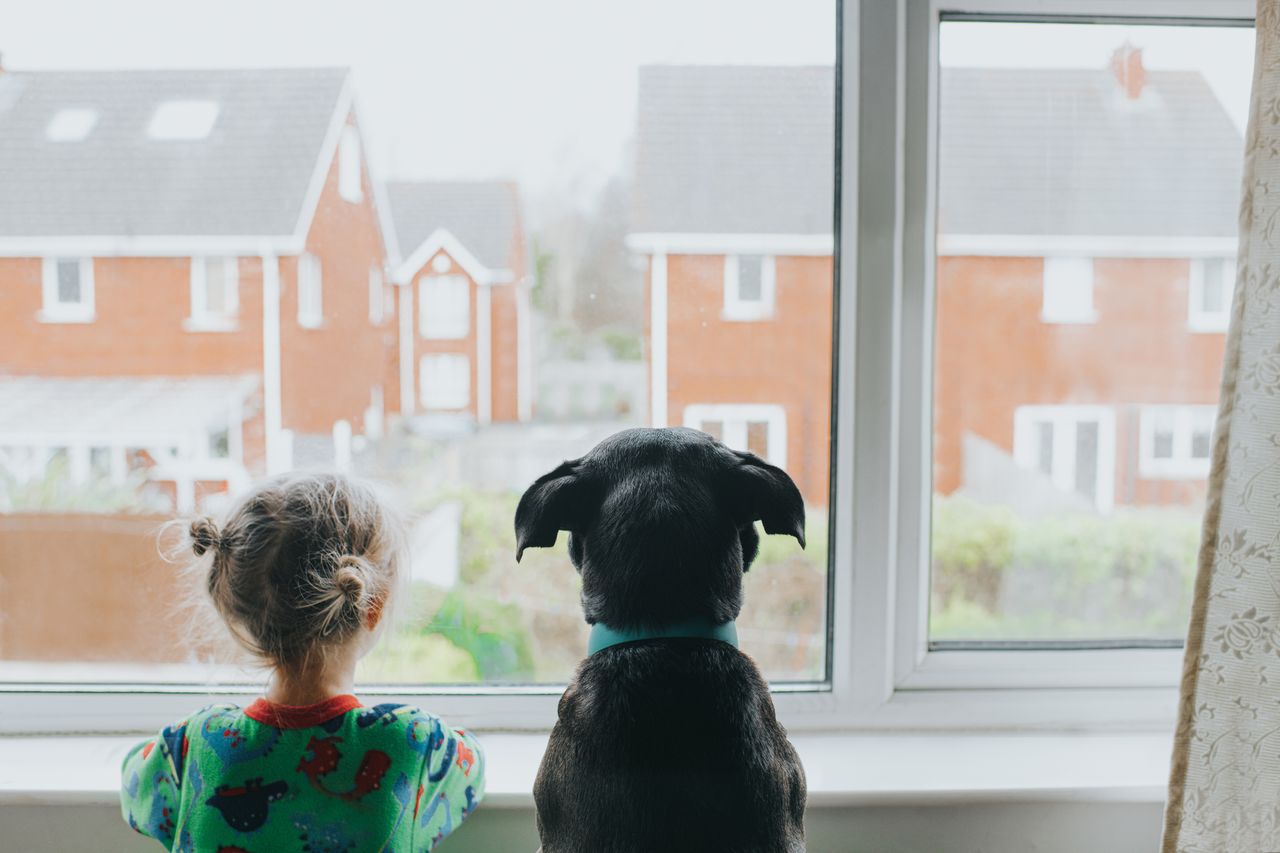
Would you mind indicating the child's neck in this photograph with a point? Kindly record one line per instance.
(333, 676)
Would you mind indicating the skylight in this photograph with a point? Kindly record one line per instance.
(71, 125)
(183, 120)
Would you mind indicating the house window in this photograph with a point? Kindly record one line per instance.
(444, 307)
(215, 292)
(310, 291)
(749, 283)
(1068, 291)
(445, 381)
(1175, 442)
(760, 429)
(68, 290)
(379, 305)
(183, 120)
(350, 178)
(1072, 447)
(1212, 283)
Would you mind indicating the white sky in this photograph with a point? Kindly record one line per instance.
(543, 92)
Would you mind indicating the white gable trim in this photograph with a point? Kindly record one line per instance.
(328, 150)
(1085, 245)
(651, 243)
(442, 238)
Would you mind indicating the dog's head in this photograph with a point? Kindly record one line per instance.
(661, 524)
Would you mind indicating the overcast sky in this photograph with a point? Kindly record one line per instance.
(544, 91)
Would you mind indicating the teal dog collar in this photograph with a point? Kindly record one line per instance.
(602, 636)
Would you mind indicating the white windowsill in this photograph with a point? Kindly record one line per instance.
(842, 770)
(66, 316)
(1069, 320)
(192, 324)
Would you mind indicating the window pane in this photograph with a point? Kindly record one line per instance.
(449, 285)
(1066, 207)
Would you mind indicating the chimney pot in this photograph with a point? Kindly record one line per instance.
(1126, 66)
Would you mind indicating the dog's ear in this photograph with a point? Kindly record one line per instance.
(758, 491)
(556, 501)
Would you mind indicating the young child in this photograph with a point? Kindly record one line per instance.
(302, 572)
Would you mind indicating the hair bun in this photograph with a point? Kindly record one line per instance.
(350, 576)
(205, 536)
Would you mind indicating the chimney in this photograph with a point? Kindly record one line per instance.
(1126, 67)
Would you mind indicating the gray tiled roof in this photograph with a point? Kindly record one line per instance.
(1022, 151)
(1062, 152)
(734, 149)
(483, 215)
(248, 177)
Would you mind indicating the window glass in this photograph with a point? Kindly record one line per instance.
(446, 282)
(1073, 399)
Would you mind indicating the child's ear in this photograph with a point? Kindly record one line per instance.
(374, 614)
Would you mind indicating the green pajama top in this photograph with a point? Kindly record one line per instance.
(335, 777)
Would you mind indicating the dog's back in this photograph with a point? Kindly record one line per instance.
(669, 745)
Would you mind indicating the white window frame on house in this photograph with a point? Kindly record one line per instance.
(1068, 290)
(350, 166)
(747, 310)
(444, 381)
(444, 306)
(1198, 319)
(202, 319)
(310, 291)
(884, 673)
(53, 309)
(1066, 421)
(735, 418)
(1184, 421)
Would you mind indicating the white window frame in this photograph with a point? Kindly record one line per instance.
(736, 417)
(55, 311)
(430, 397)
(1066, 420)
(433, 325)
(883, 673)
(1060, 274)
(202, 319)
(1198, 319)
(350, 166)
(1182, 465)
(746, 310)
(310, 291)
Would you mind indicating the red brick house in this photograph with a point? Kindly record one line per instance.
(733, 212)
(464, 332)
(191, 273)
(1087, 226)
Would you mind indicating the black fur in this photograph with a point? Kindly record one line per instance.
(666, 744)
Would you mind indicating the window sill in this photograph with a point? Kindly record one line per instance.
(842, 770)
(58, 317)
(193, 325)
(1083, 320)
(746, 316)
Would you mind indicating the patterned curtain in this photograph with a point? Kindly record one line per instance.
(1224, 788)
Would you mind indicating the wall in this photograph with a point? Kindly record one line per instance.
(993, 354)
(970, 828)
(785, 360)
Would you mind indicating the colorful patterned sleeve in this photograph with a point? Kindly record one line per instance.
(451, 784)
(151, 781)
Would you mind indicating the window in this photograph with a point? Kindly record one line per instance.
(310, 292)
(379, 303)
(446, 381)
(68, 290)
(71, 125)
(350, 166)
(444, 307)
(748, 287)
(1176, 442)
(1068, 290)
(215, 293)
(183, 120)
(760, 429)
(1209, 296)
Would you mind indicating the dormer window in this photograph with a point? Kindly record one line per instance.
(183, 120)
(71, 125)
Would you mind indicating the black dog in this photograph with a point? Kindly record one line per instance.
(666, 744)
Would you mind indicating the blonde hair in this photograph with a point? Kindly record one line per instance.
(298, 565)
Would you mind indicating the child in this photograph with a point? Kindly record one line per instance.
(301, 573)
